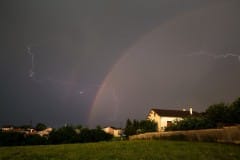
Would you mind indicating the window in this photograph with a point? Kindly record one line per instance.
(169, 123)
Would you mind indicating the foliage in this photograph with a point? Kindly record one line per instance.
(147, 126)
(69, 134)
(94, 135)
(40, 127)
(234, 110)
(65, 134)
(11, 139)
(125, 150)
(35, 140)
(136, 127)
(216, 115)
(190, 123)
(129, 128)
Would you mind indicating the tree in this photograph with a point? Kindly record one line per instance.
(148, 126)
(11, 139)
(190, 123)
(129, 128)
(218, 113)
(93, 135)
(63, 135)
(78, 127)
(85, 135)
(35, 140)
(234, 110)
(142, 126)
(40, 127)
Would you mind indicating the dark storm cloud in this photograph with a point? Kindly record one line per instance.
(75, 44)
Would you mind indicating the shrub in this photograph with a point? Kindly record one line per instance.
(136, 127)
(11, 139)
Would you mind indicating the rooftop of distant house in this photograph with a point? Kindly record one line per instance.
(174, 113)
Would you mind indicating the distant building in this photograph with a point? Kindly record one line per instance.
(165, 118)
(116, 132)
(45, 132)
(26, 131)
(7, 128)
(30, 131)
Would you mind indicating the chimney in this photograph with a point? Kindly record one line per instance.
(190, 110)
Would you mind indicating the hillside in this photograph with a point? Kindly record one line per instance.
(126, 150)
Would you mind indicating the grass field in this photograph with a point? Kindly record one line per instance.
(126, 150)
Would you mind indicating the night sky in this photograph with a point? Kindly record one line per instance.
(96, 62)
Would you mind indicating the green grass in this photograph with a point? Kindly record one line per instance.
(125, 150)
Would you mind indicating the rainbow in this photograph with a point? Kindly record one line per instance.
(143, 39)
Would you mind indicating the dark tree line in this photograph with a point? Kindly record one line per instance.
(19, 139)
(63, 135)
(70, 135)
(136, 127)
(216, 115)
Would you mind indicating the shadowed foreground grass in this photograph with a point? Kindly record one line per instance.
(127, 150)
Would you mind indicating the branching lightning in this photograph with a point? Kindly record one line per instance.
(31, 71)
(60, 83)
(215, 56)
(227, 55)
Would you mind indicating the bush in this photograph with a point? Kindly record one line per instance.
(11, 139)
(234, 110)
(40, 127)
(216, 115)
(35, 140)
(63, 135)
(190, 123)
(136, 127)
(69, 135)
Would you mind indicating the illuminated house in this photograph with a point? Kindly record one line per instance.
(165, 118)
(116, 132)
(45, 132)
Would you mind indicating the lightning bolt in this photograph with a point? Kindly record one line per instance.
(215, 56)
(31, 72)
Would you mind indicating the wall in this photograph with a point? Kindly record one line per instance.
(164, 120)
(114, 132)
(156, 118)
(117, 132)
(225, 135)
(109, 130)
(160, 120)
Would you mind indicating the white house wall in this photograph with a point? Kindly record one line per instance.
(155, 117)
(117, 132)
(114, 132)
(163, 122)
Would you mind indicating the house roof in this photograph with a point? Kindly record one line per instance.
(111, 127)
(173, 113)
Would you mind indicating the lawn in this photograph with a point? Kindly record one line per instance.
(127, 150)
